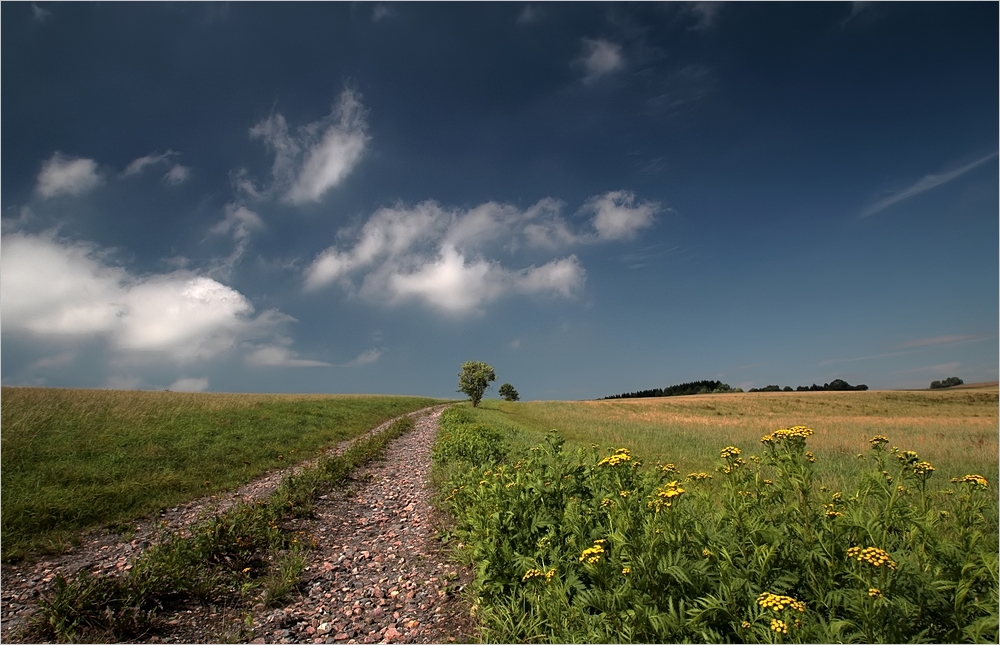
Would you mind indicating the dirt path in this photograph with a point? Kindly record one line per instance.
(377, 574)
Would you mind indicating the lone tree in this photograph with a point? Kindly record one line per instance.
(951, 381)
(474, 378)
(508, 392)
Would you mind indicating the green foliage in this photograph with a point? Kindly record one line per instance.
(474, 379)
(951, 381)
(508, 392)
(76, 459)
(592, 546)
(233, 558)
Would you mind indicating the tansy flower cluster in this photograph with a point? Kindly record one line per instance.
(781, 434)
(779, 626)
(730, 451)
(975, 480)
(922, 468)
(872, 555)
(536, 573)
(878, 441)
(776, 603)
(593, 554)
(664, 498)
(874, 592)
(697, 476)
(621, 456)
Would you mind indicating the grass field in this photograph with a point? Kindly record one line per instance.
(74, 459)
(956, 430)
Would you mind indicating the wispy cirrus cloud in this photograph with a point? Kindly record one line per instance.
(925, 184)
(39, 14)
(314, 157)
(940, 340)
(177, 174)
(366, 357)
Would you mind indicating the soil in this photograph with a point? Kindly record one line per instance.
(377, 574)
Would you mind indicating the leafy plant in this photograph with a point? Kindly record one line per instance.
(474, 379)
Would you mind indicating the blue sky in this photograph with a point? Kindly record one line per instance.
(593, 198)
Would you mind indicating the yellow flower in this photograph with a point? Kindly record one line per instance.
(975, 480)
(697, 476)
(730, 451)
(669, 468)
(626, 570)
(875, 592)
(531, 573)
(872, 555)
(922, 468)
(549, 574)
(624, 493)
(705, 553)
(592, 555)
(783, 434)
(778, 603)
(621, 456)
(745, 625)
(878, 441)
(779, 626)
(664, 497)
(811, 458)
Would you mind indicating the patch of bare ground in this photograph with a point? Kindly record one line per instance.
(377, 572)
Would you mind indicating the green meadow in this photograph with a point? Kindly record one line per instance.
(75, 459)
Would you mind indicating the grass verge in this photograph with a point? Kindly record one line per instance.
(77, 459)
(239, 557)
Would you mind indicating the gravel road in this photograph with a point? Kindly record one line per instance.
(377, 575)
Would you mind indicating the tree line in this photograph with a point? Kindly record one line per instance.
(695, 387)
(836, 385)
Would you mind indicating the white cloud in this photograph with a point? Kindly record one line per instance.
(189, 384)
(704, 13)
(177, 174)
(319, 155)
(39, 14)
(380, 12)
(58, 361)
(65, 290)
(928, 182)
(615, 217)
(238, 221)
(136, 166)
(601, 57)
(61, 175)
(279, 355)
(365, 357)
(529, 14)
(442, 257)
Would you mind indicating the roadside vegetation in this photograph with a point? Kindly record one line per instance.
(79, 459)
(593, 545)
(243, 556)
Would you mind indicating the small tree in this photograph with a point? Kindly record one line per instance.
(473, 380)
(508, 392)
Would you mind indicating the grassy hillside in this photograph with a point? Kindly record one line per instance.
(73, 459)
(954, 429)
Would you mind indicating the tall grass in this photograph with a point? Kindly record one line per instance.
(75, 459)
(955, 429)
(590, 546)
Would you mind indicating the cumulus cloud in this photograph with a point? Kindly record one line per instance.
(615, 217)
(189, 384)
(61, 175)
(63, 290)
(317, 156)
(441, 257)
(601, 58)
(177, 174)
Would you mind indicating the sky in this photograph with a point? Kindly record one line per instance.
(592, 198)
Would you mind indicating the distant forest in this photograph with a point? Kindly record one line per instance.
(718, 387)
(696, 387)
